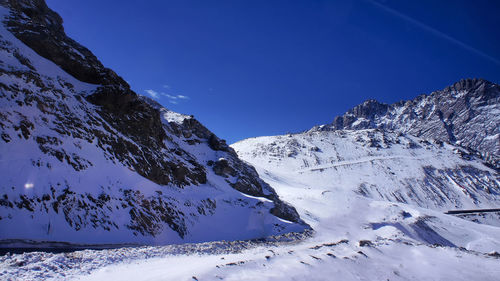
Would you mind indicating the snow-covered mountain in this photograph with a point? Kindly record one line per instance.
(465, 113)
(437, 152)
(83, 159)
(376, 164)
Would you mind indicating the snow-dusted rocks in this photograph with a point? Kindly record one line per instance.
(86, 160)
(465, 113)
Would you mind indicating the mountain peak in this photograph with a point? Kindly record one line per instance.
(463, 113)
(369, 108)
(469, 84)
(478, 87)
(40, 28)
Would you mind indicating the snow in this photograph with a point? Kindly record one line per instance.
(421, 263)
(168, 115)
(175, 117)
(51, 71)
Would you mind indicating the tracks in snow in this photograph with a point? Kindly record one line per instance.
(360, 161)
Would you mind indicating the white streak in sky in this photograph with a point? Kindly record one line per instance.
(153, 94)
(436, 32)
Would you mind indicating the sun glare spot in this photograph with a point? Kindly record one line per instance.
(28, 185)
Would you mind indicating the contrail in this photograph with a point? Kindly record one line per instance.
(436, 32)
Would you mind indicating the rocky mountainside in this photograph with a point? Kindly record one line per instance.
(84, 159)
(466, 113)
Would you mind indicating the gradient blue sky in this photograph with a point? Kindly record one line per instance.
(253, 68)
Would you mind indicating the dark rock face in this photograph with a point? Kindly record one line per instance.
(119, 106)
(141, 123)
(464, 113)
(221, 168)
(41, 29)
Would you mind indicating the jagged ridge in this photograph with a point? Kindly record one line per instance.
(465, 113)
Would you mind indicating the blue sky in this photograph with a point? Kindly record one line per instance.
(253, 68)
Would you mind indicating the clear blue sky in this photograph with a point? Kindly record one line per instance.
(253, 68)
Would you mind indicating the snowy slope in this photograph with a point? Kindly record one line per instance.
(83, 162)
(375, 164)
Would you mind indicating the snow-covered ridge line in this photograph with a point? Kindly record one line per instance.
(389, 191)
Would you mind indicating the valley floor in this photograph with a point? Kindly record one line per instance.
(395, 242)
